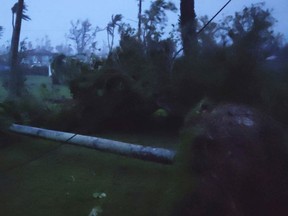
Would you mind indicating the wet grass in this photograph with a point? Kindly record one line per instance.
(40, 87)
(40, 177)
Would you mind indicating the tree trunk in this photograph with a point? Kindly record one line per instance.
(188, 27)
(139, 20)
(158, 155)
(16, 80)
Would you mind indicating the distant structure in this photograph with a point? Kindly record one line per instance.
(36, 62)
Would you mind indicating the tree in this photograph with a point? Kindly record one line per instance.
(16, 80)
(209, 35)
(151, 24)
(250, 40)
(154, 20)
(148, 60)
(111, 30)
(1, 31)
(252, 29)
(83, 35)
(139, 19)
(14, 12)
(188, 26)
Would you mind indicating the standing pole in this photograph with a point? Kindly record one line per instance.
(139, 20)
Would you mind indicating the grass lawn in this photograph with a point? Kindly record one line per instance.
(41, 87)
(40, 177)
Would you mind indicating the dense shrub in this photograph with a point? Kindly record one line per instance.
(28, 110)
(238, 158)
(65, 69)
(109, 100)
(194, 79)
(125, 92)
(5, 119)
(141, 75)
(273, 76)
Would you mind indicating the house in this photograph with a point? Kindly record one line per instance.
(36, 62)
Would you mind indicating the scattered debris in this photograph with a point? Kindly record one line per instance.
(95, 211)
(99, 195)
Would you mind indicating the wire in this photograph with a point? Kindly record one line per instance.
(213, 18)
(180, 50)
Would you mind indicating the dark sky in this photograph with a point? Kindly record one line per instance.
(53, 17)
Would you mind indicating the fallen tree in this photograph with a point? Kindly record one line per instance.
(159, 155)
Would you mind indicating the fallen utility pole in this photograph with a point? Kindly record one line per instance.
(158, 155)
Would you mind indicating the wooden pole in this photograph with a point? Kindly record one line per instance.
(158, 155)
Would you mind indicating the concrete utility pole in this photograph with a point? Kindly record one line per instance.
(158, 155)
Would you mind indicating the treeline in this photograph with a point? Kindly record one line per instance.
(143, 83)
(146, 83)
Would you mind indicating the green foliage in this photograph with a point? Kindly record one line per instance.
(111, 26)
(5, 120)
(41, 105)
(25, 110)
(252, 42)
(203, 77)
(24, 10)
(252, 27)
(155, 19)
(225, 70)
(108, 98)
(65, 69)
(15, 82)
(31, 110)
(141, 75)
(123, 93)
(274, 87)
(135, 63)
(42, 88)
(209, 35)
(227, 67)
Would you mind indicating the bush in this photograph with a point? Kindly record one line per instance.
(194, 79)
(109, 99)
(28, 110)
(238, 156)
(5, 120)
(65, 69)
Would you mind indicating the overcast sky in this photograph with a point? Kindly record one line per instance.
(53, 17)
